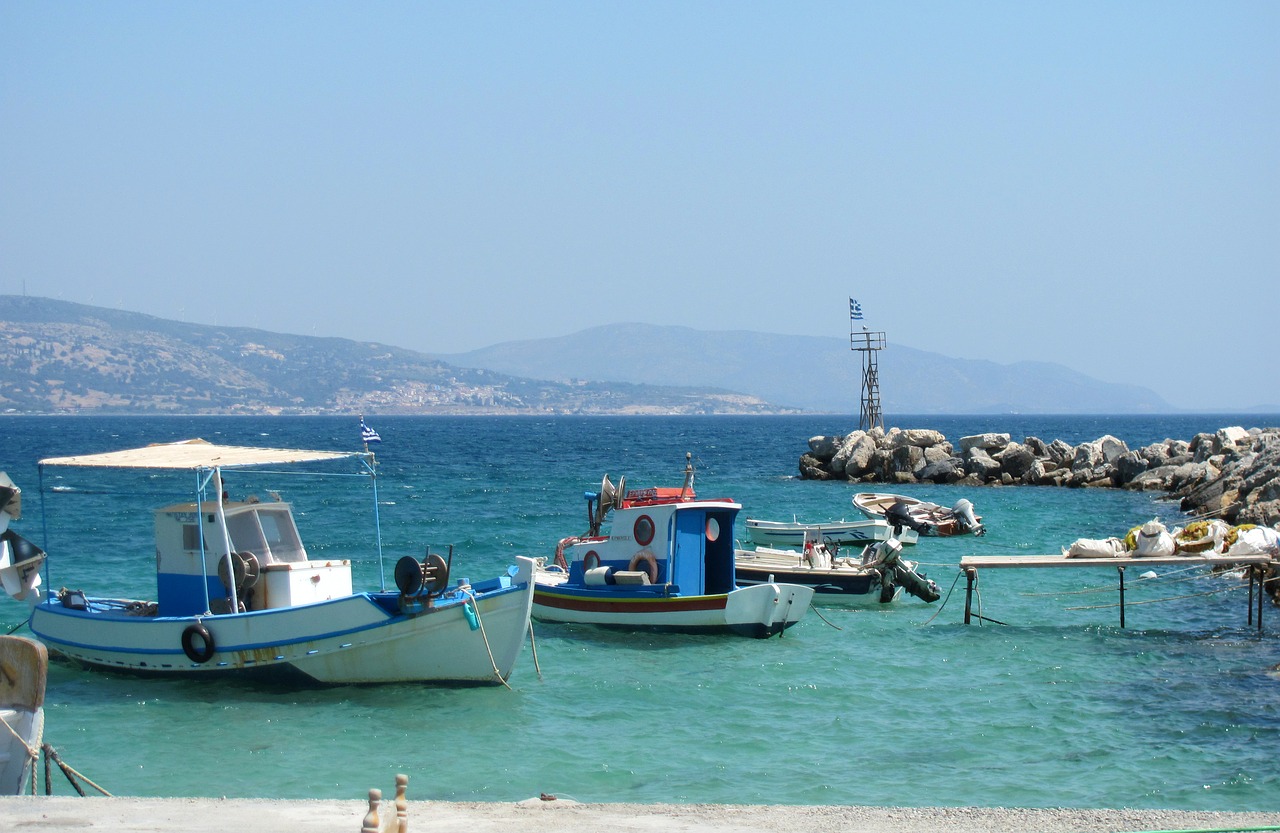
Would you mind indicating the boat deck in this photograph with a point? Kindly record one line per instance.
(1257, 564)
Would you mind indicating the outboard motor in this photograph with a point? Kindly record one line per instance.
(899, 517)
(966, 519)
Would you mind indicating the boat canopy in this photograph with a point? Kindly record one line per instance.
(197, 454)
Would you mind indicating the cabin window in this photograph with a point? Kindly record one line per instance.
(713, 529)
(643, 530)
(190, 537)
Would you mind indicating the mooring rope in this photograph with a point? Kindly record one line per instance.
(945, 599)
(1166, 599)
(1110, 588)
(51, 754)
(485, 636)
(818, 613)
(533, 644)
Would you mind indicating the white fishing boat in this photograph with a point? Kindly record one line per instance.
(873, 574)
(237, 592)
(904, 512)
(667, 563)
(24, 665)
(840, 533)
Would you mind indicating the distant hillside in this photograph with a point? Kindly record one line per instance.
(57, 356)
(810, 373)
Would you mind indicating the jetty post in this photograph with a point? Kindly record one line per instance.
(868, 343)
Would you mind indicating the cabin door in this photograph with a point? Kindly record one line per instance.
(688, 560)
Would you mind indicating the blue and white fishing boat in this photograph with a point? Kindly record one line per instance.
(237, 592)
(665, 564)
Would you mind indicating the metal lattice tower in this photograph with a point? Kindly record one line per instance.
(869, 343)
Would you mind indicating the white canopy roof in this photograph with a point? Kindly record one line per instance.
(198, 454)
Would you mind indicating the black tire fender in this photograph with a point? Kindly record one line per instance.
(197, 643)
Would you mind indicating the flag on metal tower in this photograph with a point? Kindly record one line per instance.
(855, 310)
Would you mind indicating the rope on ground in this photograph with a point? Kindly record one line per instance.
(52, 754)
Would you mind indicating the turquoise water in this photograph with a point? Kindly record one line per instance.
(898, 706)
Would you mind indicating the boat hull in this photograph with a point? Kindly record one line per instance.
(759, 612)
(841, 586)
(843, 533)
(362, 638)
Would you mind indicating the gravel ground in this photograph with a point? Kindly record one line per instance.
(148, 815)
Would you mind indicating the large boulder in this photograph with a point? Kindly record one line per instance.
(987, 442)
(824, 447)
(979, 463)
(1016, 459)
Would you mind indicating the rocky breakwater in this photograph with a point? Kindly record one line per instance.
(1232, 474)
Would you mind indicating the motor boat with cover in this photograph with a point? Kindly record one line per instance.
(666, 563)
(793, 534)
(877, 573)
(237, 592)
(903, 512)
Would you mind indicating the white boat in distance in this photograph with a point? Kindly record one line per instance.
(793, 534)
(904, 512)
(238, 593)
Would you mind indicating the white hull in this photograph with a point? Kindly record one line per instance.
(23, 675)
(843, 533)
(348, 640)
(761, 611)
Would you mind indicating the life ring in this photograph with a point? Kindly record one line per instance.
(590, 561)
(651, 564)
(204, 652)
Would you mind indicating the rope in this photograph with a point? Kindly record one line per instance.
(68, 771)
(480, 621)
(1156, 601)
(1164, 579)
(32, 752)
(944, 601)
(818, 613)
(26, 621)
(533, 643)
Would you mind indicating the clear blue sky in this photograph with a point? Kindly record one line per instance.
(1092, 184)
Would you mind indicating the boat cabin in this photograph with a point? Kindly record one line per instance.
(268, 567)
(660, 538)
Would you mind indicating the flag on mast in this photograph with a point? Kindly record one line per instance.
(855, 310)
(367, 434)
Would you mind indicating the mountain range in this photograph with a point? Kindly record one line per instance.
(59, 356)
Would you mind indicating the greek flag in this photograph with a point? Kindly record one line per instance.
(367, 434)
(855, 310)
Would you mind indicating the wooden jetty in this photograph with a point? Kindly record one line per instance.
(1256, 564)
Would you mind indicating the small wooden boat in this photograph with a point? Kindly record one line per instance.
(838, 533)
(877, 574)
(903, 512)
(666, 564)
(24, 666)
(238, 593)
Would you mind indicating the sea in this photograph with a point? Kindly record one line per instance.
(1044, 700)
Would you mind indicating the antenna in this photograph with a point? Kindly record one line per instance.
(868, 343)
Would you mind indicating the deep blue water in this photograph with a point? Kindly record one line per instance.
(898, 706)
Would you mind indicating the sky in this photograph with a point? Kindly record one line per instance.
(1095, 184)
